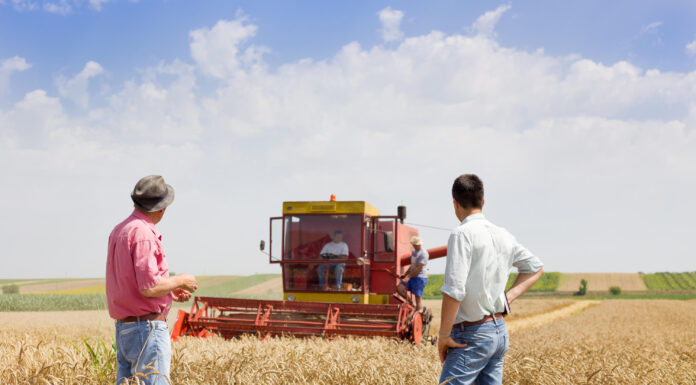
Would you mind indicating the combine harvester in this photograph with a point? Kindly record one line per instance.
(369, 301)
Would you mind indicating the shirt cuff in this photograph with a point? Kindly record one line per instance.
(456, 293)
(529, 268)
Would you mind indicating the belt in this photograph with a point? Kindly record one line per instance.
(146, 317)
(485, 319)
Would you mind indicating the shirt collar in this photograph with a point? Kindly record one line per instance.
(473, 217)
(149, 223)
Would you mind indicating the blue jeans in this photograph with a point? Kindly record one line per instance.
(338, 273)
(143, 344)
(481, 362)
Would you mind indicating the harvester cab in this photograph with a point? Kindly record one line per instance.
(340, 264)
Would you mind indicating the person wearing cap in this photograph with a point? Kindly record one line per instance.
(417, 274)
(336, 249)
(139, 290)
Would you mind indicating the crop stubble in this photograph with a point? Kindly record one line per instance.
(614, 342)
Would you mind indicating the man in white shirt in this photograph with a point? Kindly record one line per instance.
(480, 255)
(336, 249)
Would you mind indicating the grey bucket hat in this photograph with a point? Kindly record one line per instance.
(152, 194)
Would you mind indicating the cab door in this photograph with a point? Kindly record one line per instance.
(383, 255)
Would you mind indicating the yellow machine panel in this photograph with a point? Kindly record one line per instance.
(373, 299)
(326, 207)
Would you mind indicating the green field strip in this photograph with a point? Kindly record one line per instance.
(670, 281)
(232, 286)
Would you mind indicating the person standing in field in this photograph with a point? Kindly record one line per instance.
(139, 290)
(473, 338)
(416, 277)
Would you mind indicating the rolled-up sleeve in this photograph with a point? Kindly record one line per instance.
(457, 267)
(524, 260)
(145, 264)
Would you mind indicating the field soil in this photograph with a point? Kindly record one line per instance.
(602, 281)
(39, 287)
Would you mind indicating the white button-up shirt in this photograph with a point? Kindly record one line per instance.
(480, 256)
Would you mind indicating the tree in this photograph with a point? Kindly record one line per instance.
(10, 289)
(582, 290)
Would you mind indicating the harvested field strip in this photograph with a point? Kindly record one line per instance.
(95, 289)
(272, 286)
(602, 281)
(58, 285)
(546, 318)
(230, 287)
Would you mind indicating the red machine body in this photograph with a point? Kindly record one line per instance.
(367, 302)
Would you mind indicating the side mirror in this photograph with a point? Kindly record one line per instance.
(262, 245)
(388, 241)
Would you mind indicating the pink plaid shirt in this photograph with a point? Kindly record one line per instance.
(135, 262)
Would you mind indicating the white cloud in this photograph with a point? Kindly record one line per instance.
(58, 7)
(651, 28)
(690, 48)
(76, 88)
(97, 4)
(391, 24)
(570, 149)
(217, 50)
(62, 7)
(10, 66)
(485, 24)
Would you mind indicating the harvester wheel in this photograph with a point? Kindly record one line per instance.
(416, 328)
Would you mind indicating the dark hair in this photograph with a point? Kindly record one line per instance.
(337, 232)
(467, 190)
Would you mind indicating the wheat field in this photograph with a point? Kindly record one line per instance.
(612, 342)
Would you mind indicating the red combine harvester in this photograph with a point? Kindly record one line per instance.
(325, 294)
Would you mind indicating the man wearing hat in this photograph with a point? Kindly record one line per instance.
(417, 275)
(139, 290)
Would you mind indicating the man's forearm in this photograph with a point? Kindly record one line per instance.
(413, 271)
(163, 287)
(523, 283)
(450, 307)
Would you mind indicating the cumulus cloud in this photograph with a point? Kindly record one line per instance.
(217, 50)
(690, 48)
(485, 24)
(10, 66)
(76, 88)
(570, 149)
(391, 24)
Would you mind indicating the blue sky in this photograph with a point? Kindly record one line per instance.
(126, 36)
(579, 116)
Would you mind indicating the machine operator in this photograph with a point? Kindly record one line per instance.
(336, 249)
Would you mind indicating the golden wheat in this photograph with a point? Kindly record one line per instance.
(613, 342)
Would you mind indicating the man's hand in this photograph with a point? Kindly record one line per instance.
(181, 295)
(187, 282)
(444, 344)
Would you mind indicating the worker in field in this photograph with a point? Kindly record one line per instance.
(139, 290)
(336, 249)
(473, 338)
(417, 274)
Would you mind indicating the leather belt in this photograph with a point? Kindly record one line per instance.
(146, 317)
(479, 322)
